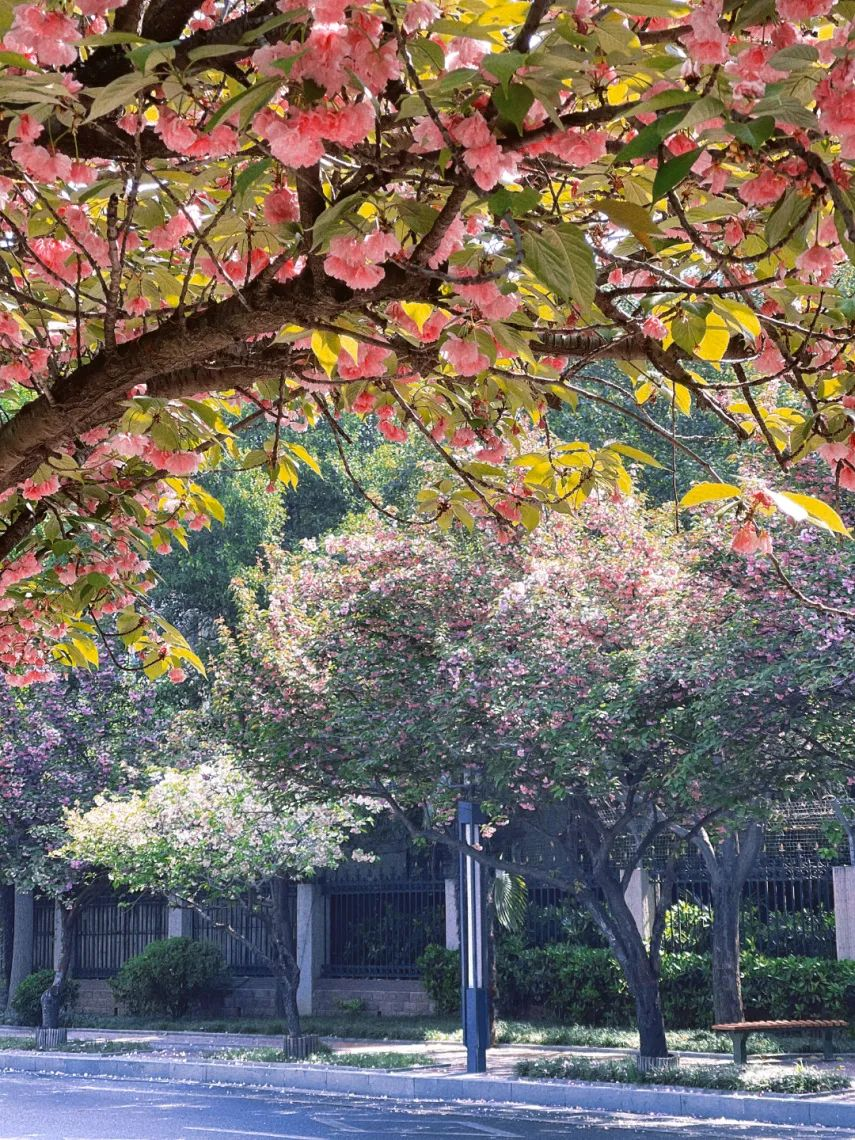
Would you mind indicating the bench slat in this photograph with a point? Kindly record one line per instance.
(784, 1026)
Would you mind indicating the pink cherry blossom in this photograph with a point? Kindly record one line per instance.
(706, 43)
(281, 206)
(50, 36)
(654, 328)
(766, 188)
(465, 356)
(818, 262)
(800, 11)
(357, 261)
(748, 540)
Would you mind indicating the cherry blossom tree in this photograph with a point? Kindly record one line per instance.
(604, 689)
(441, 216)
(61, 745)
(208, 834)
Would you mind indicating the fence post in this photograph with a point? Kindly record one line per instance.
(641, 901)
(844, 910)
(452, 917)
(179, 922)
(310, 942)
(22, 941)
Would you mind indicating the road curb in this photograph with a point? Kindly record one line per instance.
(697, 1103)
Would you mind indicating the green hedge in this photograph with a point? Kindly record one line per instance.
(581, 985)
(170, 977)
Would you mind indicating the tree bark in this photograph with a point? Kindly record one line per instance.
(7, 934)
(726, 976)
(22, 941)
(728, 866)
(52, 997)
(638, 961)
(286, 969)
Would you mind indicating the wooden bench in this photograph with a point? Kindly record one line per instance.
(739, 1031)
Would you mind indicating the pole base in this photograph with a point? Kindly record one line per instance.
(51, 1038)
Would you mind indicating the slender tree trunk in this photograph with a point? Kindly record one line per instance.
(52, 997)
(287, 971)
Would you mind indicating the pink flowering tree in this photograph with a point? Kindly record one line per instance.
(604, 688)
(62, 745)
(208, 834)
(440, 216)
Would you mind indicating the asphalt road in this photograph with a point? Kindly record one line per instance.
(37, 1107)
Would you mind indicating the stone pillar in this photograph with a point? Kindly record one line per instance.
(179, 922)
(311, 932)
(641, 900)
(844, 910)
(452, 917)
(22, 940)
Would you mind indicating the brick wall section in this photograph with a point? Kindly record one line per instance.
(253, 997)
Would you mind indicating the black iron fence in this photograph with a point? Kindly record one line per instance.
(381, 929)
(786, 909)
(43, 928)
(112, 930)
(241, 933)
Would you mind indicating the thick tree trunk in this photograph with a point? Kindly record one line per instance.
(726, 980)
(644, 986)
(22, 941)
(638, 962)
(728, 865)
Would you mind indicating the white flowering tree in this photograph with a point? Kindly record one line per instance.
(208, 835)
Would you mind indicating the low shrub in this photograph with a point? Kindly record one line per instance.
(171, 976)
(27, 1000)
(440, 970)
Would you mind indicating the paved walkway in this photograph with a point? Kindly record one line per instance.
(449, 1057)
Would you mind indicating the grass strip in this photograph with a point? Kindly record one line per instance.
(729, 1078)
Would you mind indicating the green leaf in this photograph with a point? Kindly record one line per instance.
(786, 215)
(329, 219)
(672, 173)
(518, 203)
(247, 102)
(503, 66)
(252, 173)
(753, 133)
(649, 137)
(627, 215)
(513, 105)
(510, 899)
(562, 259)
(123, 90)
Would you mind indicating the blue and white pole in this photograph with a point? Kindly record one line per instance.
(474, 947)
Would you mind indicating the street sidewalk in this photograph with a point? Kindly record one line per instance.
(180, 1057)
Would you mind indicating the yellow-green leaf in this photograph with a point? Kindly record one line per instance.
(709, 493)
